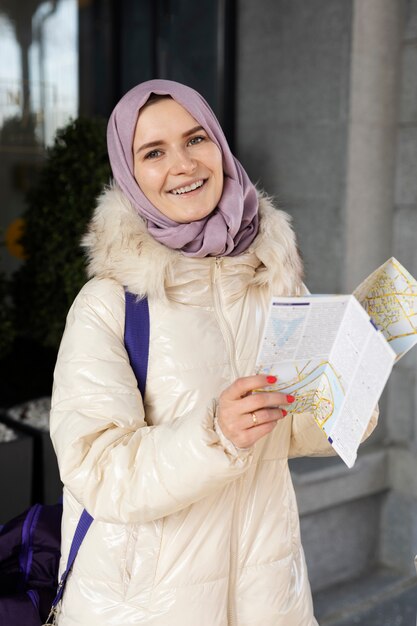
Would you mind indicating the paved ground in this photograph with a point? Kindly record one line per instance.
(381, 599)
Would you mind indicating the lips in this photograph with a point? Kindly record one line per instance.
(178, 191)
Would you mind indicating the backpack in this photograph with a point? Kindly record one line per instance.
(30, 543)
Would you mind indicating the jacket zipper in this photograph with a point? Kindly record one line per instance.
(231, 610)
(223, 323)
(228, 338)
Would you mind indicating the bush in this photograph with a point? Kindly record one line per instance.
(6, 320)
(59, 208)
(33, 307)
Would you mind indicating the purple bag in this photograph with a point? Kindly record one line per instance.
(29, 559)
(30, 543)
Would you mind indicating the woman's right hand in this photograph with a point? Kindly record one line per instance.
(245, 417)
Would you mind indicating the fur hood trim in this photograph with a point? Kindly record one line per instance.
(118, 246)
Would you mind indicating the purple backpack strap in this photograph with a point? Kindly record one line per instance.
(83, 525)
(137, 329)
(136, 337)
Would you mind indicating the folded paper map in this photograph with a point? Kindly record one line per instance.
(335, 353)
(389, 296)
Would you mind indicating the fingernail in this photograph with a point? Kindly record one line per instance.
(271, 379)
(290, 399)
(284, 412)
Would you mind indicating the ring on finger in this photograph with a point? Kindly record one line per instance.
(254, 419)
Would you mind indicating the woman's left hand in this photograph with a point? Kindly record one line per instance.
(245, 417)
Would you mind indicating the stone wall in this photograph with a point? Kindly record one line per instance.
(399, 519)
(293, 69)
(327, 123)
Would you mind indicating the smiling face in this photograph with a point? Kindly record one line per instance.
(176, 165)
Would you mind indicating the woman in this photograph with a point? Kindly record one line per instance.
(195, 518)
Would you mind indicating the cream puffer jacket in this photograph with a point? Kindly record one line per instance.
(188, 530)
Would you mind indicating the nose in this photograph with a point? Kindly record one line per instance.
(182, 162)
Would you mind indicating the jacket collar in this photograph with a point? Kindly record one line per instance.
(119, 247)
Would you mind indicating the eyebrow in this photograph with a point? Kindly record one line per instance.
(158, 142)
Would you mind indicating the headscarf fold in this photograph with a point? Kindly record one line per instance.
(231, 227)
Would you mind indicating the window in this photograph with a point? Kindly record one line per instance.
(38, 94)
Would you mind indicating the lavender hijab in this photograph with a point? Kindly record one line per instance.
(232, 226)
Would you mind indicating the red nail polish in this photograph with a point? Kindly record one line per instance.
(290, 399)
(271, 379)
(284, 412)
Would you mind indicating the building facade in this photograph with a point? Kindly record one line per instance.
(319, 100)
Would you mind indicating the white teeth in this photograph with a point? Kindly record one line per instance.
(181, 190)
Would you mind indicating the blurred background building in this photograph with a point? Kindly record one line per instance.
(318, 98)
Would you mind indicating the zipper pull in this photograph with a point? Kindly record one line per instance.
(216, 269)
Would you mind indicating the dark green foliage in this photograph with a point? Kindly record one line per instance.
(60, 206)
(18, 131)
(6, 322)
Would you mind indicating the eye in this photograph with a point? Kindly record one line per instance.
(196, 140)
(153, 154)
